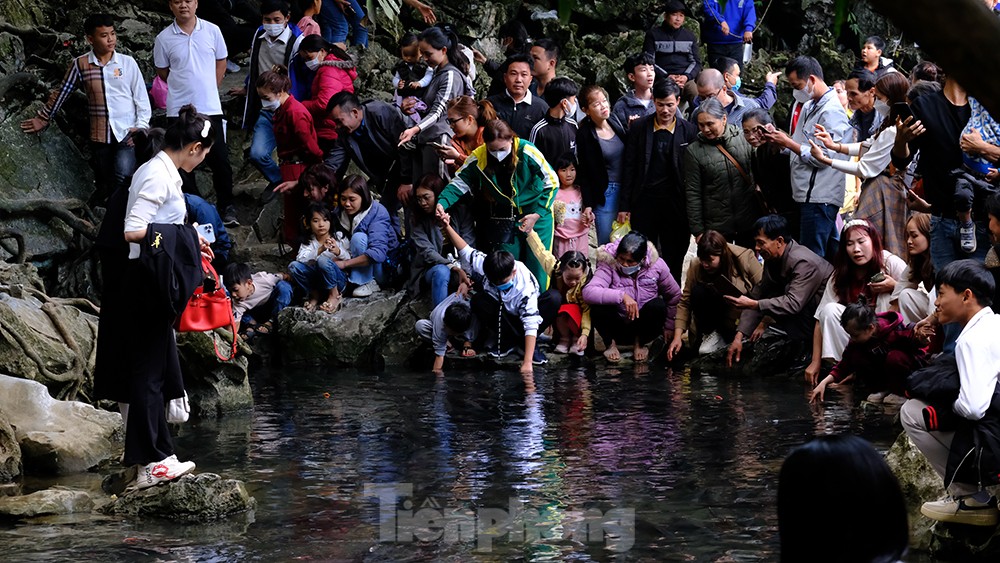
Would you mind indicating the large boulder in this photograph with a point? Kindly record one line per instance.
(58, 436)
(192, 498)
(57, 500)
(10, 451)
(347, 337)
(214, 387)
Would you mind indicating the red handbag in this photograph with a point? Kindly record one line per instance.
(209, 311)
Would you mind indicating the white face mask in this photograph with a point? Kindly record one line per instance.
(270, 105)
(501, 155)
(804, 95)
(571, 112)
(312, 64)
(274, 29)
(882, 108)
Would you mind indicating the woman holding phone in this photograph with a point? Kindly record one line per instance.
(721, 269)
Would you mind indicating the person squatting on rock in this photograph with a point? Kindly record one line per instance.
(117, 104)
(964, 449)
(257, 297)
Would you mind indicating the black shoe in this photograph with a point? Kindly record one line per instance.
(269, 194)
(538, 357)
(229, 218)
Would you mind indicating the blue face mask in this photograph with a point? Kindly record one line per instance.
(739, 82)
(505, 286)
(628, 270)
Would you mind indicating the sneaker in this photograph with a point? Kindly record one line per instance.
(495, 353)
(574, 350)
(711, 343)
(967, 237)
(268, 195)
(538, 357)
(229, 218)
(562, 348)
(963, 510)
(893, 399)
(366, 289)
(876, 398)
(164, 471)
(232, 67)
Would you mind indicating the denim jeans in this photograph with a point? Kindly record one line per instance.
(336, 23)
(944, 242)
(280, 298)
(262, 145)
(605, 214)
(321, 274)
(437, 277)
(360, 275)
(113, 164)
(818, 227)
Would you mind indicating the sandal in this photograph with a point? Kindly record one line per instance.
(264, 329)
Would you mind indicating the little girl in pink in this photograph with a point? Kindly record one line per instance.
(572, 220)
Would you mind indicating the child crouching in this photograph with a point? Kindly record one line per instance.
(571, 272)
(257, 297)
(451, 320)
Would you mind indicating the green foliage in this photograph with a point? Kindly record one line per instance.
(566, 8)
(842, 13)
(386, 15)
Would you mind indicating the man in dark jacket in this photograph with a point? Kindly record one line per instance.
(675, 49)
(516, 105)
(792, 286)
(652, 196)
(370, 138)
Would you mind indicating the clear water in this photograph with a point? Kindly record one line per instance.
(694, 457)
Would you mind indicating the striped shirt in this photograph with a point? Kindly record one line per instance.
(116, 96)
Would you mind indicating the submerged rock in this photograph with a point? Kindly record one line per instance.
(58, 436)
(57, 500)
(10, 451)
(192, 498)
(214, 387)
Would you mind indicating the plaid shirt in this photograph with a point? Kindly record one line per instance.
(86, 70)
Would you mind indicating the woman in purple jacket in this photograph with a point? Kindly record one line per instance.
(632, 296)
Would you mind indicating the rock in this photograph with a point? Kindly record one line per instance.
(192, 498)
(920, 483)
(347, 337)
(10, 451)
(58, 436)
(401, 342)
(214, 387)
(57, 500)
(49, 342)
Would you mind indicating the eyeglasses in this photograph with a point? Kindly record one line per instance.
(453, 121)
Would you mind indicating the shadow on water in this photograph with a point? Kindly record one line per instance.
(595, 465)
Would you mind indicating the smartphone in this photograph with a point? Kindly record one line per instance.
(438, 145)
(879, 277)
(207, 232)
(726, 287)
(902, 110)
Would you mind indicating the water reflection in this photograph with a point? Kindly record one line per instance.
(664, 465)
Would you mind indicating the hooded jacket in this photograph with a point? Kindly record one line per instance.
(813, 182)
(653, 279)
(521, 300)
(374, 222)
(719, 197)
(891, 334)
(332, 76)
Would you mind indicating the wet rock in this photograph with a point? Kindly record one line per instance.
(347, 337)
(57, 500)
(192, 498)
(10, 451)
(215, 388)
(58, 436)
(400, 342)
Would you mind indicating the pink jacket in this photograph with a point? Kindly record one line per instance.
(653, 278)
(332, 76)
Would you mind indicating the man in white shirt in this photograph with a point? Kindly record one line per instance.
(965, 290)
(190, 56)
(117, 103)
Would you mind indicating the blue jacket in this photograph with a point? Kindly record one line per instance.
(202, 212)
(739, 14)
(381, 236)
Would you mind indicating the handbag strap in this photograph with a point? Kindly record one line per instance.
(746, 177)
(232, 351)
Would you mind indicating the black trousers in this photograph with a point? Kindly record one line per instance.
(611, 325)
(732, 50)
(711, 312)
(153, 371)
(490, 312)
(218, 161)
(668, 230)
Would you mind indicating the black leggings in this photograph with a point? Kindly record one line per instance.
(487, 310)
(611, 325)
(711, 312)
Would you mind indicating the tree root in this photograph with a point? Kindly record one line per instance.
(60, 209)
(18, 238)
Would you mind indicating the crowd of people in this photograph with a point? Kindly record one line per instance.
(859, 231)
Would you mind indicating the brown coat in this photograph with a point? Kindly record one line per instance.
(696, 274)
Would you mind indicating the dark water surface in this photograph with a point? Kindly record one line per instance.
(654, 464)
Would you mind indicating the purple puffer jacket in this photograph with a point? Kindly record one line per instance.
(608, 284)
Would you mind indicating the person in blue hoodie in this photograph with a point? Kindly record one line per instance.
(365, 223)
(728, 24)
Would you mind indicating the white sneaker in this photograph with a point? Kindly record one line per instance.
(366, 289)
(164, 471)
(893, 400)
(711, 343)
(232, 67)
(574, 350)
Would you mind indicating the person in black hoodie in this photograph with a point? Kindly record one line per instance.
(161, 274)
(675, 48)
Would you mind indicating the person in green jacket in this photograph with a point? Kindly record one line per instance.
(717, 184)
(512, 188)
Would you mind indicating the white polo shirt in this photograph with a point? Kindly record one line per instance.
(191, 60)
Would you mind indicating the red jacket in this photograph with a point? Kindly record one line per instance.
(892, 334)
(295, 134)
(332, 76)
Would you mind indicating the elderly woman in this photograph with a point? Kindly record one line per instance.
(717, 185)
